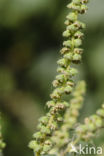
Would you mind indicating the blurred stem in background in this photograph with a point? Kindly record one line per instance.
(2, 144)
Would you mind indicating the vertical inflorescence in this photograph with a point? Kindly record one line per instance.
(63, 84)
(62, 136)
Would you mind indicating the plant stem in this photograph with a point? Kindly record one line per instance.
(37, 154)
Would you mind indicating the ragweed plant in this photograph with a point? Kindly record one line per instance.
(64, 84)
(59, 129)
(54, 128)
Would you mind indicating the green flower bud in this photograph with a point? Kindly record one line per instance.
(91, 126)
(60, 77)
(81, 129)
(66, 73)
(70, 83)
(56, 83)
(73, 71)
(74, 6)
(76, 58)
(68, 56)
(66, 33)
(60, 69)
(68, 89)
(62, 62)
(72, 28)
(72, 17)
(67, 43)
(45, 130)
(35, 146)
(50, 104)
(48, 142)
(57, 108)
(57, 93)
(84, 8)
(60, 106)
(65, 50)
(67, 22)
(38, 135)
(44, 120)
(100, 112)
(60, 90)
(96, 120)
(46, 148)
(78, 34)
(79, 25)
(78, 50)
(77, 42)
(53, 125)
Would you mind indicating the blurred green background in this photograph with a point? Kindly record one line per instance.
(30, 40)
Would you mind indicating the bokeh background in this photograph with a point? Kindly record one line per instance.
(30, 40)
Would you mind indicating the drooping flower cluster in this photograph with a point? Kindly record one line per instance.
(71, 53)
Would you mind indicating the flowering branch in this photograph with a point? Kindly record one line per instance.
(85, 132)
(62, 136)
(71, 53)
